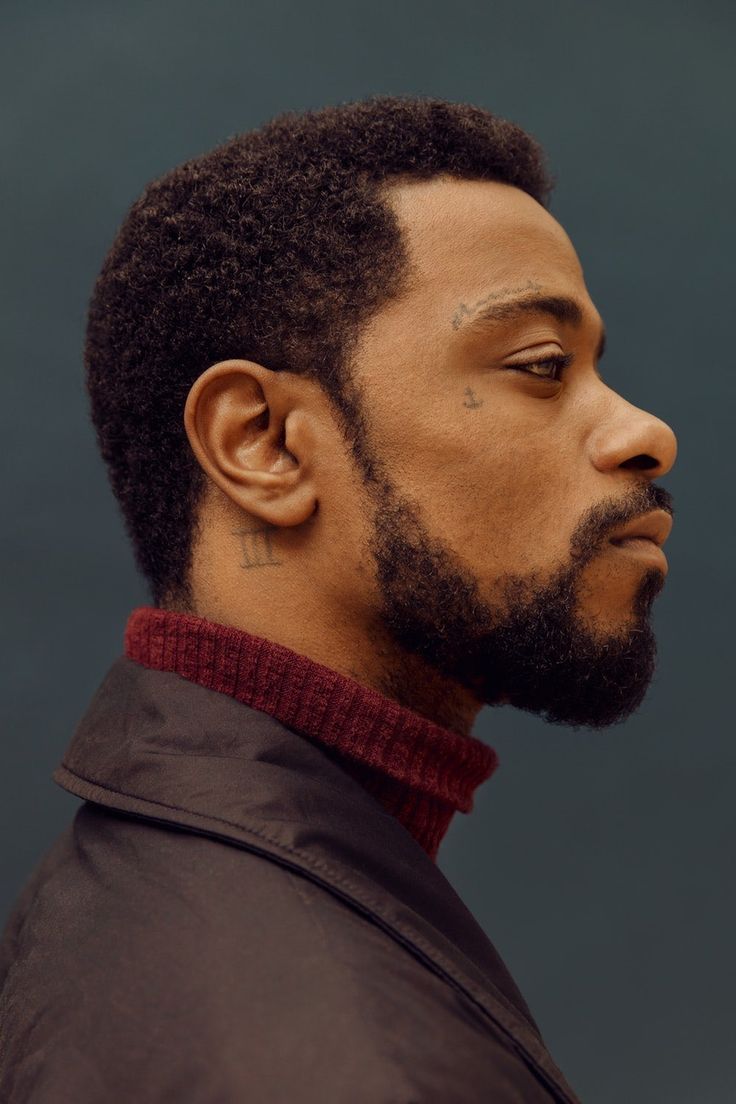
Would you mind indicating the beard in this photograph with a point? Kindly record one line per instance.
(533, 649)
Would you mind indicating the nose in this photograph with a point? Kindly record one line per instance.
(635, 439)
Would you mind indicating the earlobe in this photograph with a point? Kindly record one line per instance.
(242, 424)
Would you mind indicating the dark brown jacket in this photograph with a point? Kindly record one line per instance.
(231, 918)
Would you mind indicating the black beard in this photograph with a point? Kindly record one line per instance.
(533, 650)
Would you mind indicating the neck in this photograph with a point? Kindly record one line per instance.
(412, 683)
(418, 770)
(372, 660)
(234, 582)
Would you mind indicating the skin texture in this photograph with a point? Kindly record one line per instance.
(470, 564)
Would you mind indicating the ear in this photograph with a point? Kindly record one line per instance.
(251, 432)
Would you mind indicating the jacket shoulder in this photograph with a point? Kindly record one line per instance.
(148, 962)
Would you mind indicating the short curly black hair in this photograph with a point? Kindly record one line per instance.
(276, 246)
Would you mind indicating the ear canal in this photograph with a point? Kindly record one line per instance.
(257, 424)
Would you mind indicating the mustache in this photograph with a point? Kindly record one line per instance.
(647, 498)
(610, 514)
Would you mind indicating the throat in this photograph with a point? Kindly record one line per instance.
(416, 686)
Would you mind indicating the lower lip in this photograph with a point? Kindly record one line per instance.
(643, 549)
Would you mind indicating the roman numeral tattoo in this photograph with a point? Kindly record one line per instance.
(256, 546)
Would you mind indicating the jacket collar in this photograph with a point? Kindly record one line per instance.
(419, 771)
(154, 745)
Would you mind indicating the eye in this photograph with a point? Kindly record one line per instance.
(557, 363)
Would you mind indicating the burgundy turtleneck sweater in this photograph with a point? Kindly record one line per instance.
(419, 771)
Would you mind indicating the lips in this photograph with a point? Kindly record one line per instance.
(655, 526)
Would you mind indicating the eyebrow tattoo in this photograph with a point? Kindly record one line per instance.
(560, 307)
(469, 310)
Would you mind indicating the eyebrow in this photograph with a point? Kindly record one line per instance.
(560, 307)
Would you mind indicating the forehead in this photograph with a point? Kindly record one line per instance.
(467, 238)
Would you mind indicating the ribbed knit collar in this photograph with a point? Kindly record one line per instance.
(419, 771)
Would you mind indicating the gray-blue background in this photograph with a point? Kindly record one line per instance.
(600, 864)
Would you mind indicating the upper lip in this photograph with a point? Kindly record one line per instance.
(655, 526)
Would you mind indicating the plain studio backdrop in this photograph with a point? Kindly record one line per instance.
(601, 864)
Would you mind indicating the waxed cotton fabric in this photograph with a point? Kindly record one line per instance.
(230, 917)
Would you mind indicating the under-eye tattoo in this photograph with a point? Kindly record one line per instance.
(256, 546)
(472, 402)
(467, 310)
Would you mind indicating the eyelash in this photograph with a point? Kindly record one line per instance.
(560, 361)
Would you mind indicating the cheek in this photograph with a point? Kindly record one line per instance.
(499, 508)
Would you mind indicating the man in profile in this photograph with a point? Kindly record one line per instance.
(344, 374)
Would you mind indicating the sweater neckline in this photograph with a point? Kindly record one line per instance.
(419, 771)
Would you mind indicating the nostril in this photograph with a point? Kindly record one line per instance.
(642, 462)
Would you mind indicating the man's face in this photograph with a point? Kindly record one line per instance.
(499, 489)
